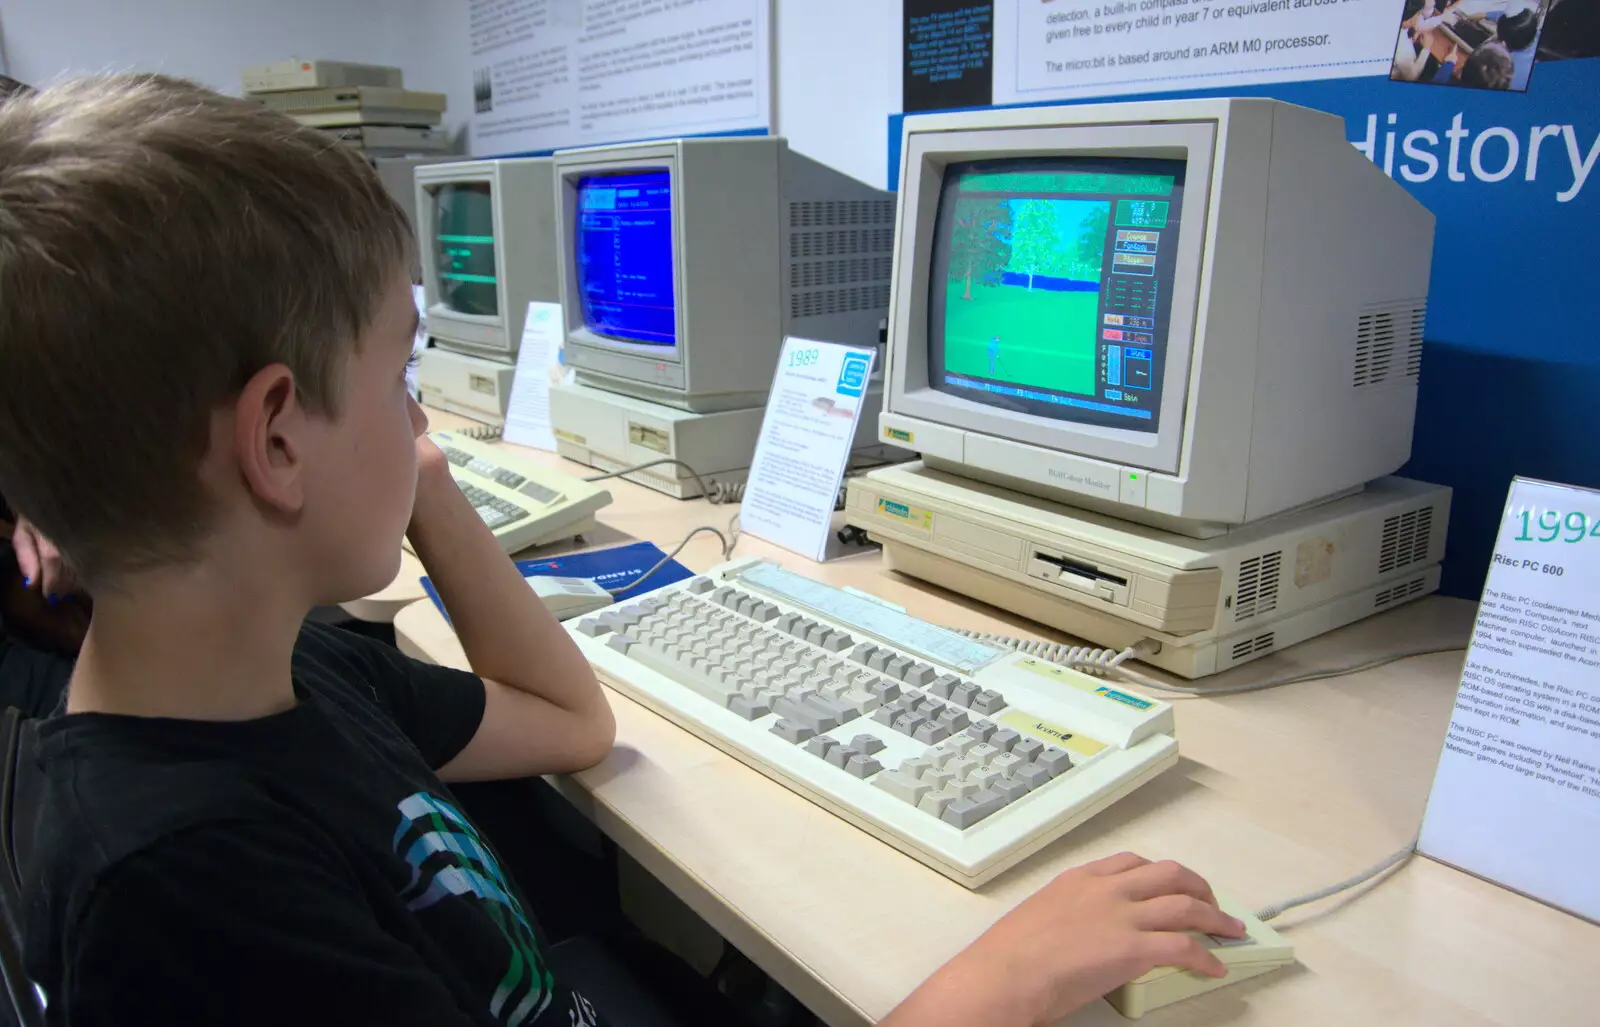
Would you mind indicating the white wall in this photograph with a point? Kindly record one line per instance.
(210, 40)
(839, 80)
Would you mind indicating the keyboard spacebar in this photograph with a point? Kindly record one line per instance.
(695, 681)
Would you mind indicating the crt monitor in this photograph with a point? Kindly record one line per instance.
(1188, 313)
(485, 235)
(684, 263)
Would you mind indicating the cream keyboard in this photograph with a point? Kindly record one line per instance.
(960, 754)
(522, 503)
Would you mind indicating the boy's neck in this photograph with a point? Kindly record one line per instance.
(192, 645)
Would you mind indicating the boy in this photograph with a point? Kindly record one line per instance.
(204, 333)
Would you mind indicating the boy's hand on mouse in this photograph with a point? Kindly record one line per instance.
(1092, 929)
(41, 564)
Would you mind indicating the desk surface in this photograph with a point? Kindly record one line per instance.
(1276, 793)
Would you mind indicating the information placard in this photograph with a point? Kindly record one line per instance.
(549, 74)
(528, 413)
(1516, 798)
(806, 434)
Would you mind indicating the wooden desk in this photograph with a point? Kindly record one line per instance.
(1276, 793)
(636, 513)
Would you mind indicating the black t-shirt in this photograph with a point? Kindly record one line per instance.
(304, 868)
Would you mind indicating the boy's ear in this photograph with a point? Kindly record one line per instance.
(269, 438)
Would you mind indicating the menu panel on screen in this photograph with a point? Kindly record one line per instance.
(464, 256)
(624, 256)
(1051, 286)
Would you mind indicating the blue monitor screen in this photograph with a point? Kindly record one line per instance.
(624, 255)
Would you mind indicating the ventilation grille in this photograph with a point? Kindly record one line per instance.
(1258, 586)
(810, 274)
(1389, 344)
(826, 213)
(840, 242)
(1253, 646)
(1405, 539)
(1400, 593)
(838, 301)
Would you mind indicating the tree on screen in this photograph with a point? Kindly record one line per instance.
(1091, 248)
(1036, 247)
(980, 242)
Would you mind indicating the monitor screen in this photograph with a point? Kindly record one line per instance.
(624, 256)
(1051, 286)
(463, 251)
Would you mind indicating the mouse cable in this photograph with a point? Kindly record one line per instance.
(1277, 909)
(1099, 662)
(727, 549)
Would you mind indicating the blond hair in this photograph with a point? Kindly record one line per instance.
(159, 245)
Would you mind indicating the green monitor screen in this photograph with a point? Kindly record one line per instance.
(464, 248)
(1051, 286)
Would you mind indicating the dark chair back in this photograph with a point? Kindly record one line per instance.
(19, 791)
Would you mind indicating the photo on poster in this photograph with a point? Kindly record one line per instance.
(949, 54)
(1477, 44)
(1571, 31)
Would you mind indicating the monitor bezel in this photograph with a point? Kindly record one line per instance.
(578, 333)
(927, 155)
(428, 186)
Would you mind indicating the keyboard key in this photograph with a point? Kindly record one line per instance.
(914, 768)
(879, 659)
(1032, 775)
(908, 723)
(953, 719)
(906, 789)
(938, 779)
(1005, 762)
(861, 652)
(593, 627)
(919, 674)
(870, 745)
(985, 778)
(836, 641)
(765, 613)
(748, 707)
(961, 766)
(840, 756)
(1028, 749)
(1011, 788)
(1054, 760)
(897, 667)
(821, 745)
(931, 733)
(988, 702)
(884, 689)
(786, 622)
(862, 766)
(964, 813)
(941, 685)
(984, 753)
(934, 804)
(790, 731)
(962, 694)
(806, 713)
(699, 586)
(1004, 739)
(885, 716)
(622, 643)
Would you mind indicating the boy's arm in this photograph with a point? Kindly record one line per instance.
(544, 712)
(1090, 930)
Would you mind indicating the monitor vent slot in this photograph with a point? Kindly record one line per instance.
(1257, 592)
(1400, 593)
(814, 273)
(840, 242)
(818, 302)
(1251, 647)
(1406, 538)
(827, 213)
(1389, 344)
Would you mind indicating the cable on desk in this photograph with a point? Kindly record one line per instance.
(705, 489)
(1277, 909)
(727, 548)
(1293, 679)
(1078, 657)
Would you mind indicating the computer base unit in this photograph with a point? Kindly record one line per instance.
(610, 431)
(466, 385)
(1211, 603)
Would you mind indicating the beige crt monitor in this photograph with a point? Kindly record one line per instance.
(485, 236)
(1187, 313)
